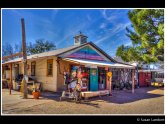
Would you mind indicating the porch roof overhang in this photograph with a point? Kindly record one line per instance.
(152, 70)
(13, 61)
(98, 63)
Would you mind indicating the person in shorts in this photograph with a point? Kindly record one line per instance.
(77, 90)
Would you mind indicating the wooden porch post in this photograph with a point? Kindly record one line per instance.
(133, 82)
(109, 74)
(107, 83)
(11, 78)
(110, 86)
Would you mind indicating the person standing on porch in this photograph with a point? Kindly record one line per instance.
(77, 90)
(66, 79)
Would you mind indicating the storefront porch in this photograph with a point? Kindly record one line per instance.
(92, 74)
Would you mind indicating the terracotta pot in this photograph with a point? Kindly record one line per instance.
(36, 94)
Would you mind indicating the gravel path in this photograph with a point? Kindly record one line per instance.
(144, 101)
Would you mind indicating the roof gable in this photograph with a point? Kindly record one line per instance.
(88, 52)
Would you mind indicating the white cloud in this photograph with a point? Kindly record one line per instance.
(73, 29)
(103, 25)
(46, 25)
(112, 32)
(111, 17)
(54, 13)
(89, 18)
(129, 43)
(15, 12)
(102, 39)
(70, 32)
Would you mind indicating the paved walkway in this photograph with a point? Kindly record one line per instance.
(144, 101)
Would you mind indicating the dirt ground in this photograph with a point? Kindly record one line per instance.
(147, 100)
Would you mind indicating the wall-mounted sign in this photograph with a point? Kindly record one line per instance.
(94, 72)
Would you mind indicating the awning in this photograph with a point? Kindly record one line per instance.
(98, 63)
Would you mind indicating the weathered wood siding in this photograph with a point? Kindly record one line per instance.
(7, 72)
(64, 66)
(20, 68)
(49, 83)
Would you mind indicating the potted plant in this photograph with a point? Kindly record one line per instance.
(35, 92)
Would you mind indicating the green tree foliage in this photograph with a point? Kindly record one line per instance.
(7, 50)
(147, 37)
(40, 46)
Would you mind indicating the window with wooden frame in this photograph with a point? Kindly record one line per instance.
(33, 68)
(50, 67)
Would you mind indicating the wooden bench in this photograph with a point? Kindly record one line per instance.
(66, 94)
(88, 94)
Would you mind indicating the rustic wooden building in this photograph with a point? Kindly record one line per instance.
(83, 59)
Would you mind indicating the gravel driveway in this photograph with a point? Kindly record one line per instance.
(145, 100)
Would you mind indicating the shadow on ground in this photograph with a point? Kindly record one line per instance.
(56, 96)
(119, 97)
(126, 96)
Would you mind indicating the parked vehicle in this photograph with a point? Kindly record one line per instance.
(157, 84)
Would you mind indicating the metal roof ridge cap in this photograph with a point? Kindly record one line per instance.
(76, 46)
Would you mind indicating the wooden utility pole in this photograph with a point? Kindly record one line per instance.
(11, 79)
(24, 59)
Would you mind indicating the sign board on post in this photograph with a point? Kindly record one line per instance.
(109, 74)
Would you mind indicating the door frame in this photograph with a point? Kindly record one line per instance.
(94, 88)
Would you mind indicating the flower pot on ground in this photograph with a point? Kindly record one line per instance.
(36, 94)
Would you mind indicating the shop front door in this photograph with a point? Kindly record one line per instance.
(102, 78)
(93, 79)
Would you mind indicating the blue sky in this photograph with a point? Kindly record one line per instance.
(104, 27)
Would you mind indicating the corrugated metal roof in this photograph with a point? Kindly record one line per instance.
(119, 60)
(45, 54)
